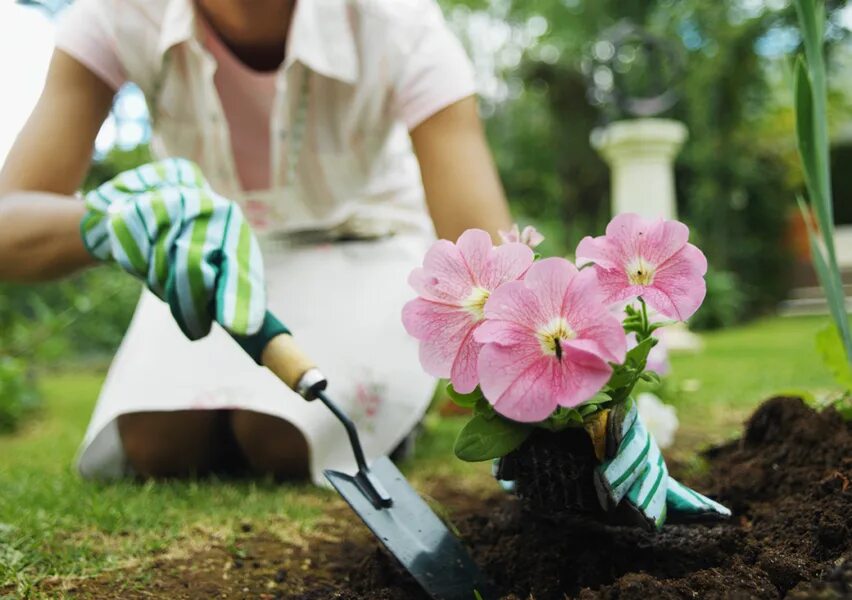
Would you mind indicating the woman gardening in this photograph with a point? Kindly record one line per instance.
(309, 153)
(331, 138)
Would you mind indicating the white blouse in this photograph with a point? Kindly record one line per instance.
(358, 75)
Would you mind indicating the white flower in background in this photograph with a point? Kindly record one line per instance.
(659, 418)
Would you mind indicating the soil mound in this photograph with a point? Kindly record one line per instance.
(786, 479)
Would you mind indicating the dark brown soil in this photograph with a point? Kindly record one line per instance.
(787, 481)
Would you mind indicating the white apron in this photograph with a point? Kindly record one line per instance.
(343, 303)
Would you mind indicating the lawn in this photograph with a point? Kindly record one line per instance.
(52, 524)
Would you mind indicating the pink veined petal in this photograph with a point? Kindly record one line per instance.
(475, 247)
(679, 287)
(615, 285)
(599, 251)
(504, 333)
(586, 311)
(516, 303)
(507, 262)
(510, 235)
(661, 240)
(445, 276)
(549, 280)
(624, 232)
(441, 329)
(463, 373)
(518, 381)
(582, 374)
(428, 286)
(531, 236)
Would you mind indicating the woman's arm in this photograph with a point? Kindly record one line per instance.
(463, 189)
(39, 219)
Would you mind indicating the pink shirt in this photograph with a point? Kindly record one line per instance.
(247, 98)
(375, 69)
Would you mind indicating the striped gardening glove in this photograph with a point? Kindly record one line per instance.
(163, 223)
(634, 474)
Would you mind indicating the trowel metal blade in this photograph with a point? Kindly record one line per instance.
(414, 534)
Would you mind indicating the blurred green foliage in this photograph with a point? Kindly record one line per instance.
(736, 176)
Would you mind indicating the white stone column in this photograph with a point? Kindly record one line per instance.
(641, 153)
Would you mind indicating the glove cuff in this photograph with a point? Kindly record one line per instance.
(93, 227)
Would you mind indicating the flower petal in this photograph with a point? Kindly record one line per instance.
(475, 247)
(679, 287)
(463, 374)
(442, 331)
(660, 240)
(615, 285)
(600, 251)
(504, 333)
(582, 375)
(516, 303)
(531, 236)
(583, 307)
(507, 262)
(517, 380)
(445, 276)
(511, 235)
(549, 280)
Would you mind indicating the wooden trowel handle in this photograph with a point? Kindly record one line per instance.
(274, 347)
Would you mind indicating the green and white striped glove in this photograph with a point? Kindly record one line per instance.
(636, 474)
(162, 223)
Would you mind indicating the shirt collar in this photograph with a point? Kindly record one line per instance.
(321, 36)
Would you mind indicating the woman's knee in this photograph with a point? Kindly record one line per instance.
(169, 444)
(271, 445)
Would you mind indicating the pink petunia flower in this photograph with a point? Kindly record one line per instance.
(548, 341)
(454, 284)
(529, 236)
(651, 259)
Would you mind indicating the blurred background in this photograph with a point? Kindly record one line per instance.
(550, 72)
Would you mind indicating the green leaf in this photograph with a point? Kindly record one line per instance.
(639, 355)
(830, 347)
(805, 128)
(650, 377)
(484, 439)
(589, 409)
(831, 284)
(621, 376)
(464, 400)
(483, 408)
(599, 398)
(562, 418)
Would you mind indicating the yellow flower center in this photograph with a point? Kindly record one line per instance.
(475, 302)
(640, 272)
(552, 335)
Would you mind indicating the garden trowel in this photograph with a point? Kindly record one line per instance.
(378, 492)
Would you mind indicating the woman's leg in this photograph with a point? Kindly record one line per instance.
(271, 446)
(179, 443)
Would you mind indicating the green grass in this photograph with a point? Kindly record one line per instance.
(54, 524)
(715, 390)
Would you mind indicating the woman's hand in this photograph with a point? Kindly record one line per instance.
(193, 248)
(634, 474)
(463, 190)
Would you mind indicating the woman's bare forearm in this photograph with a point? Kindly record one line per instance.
(40, 236)
(462, 187)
